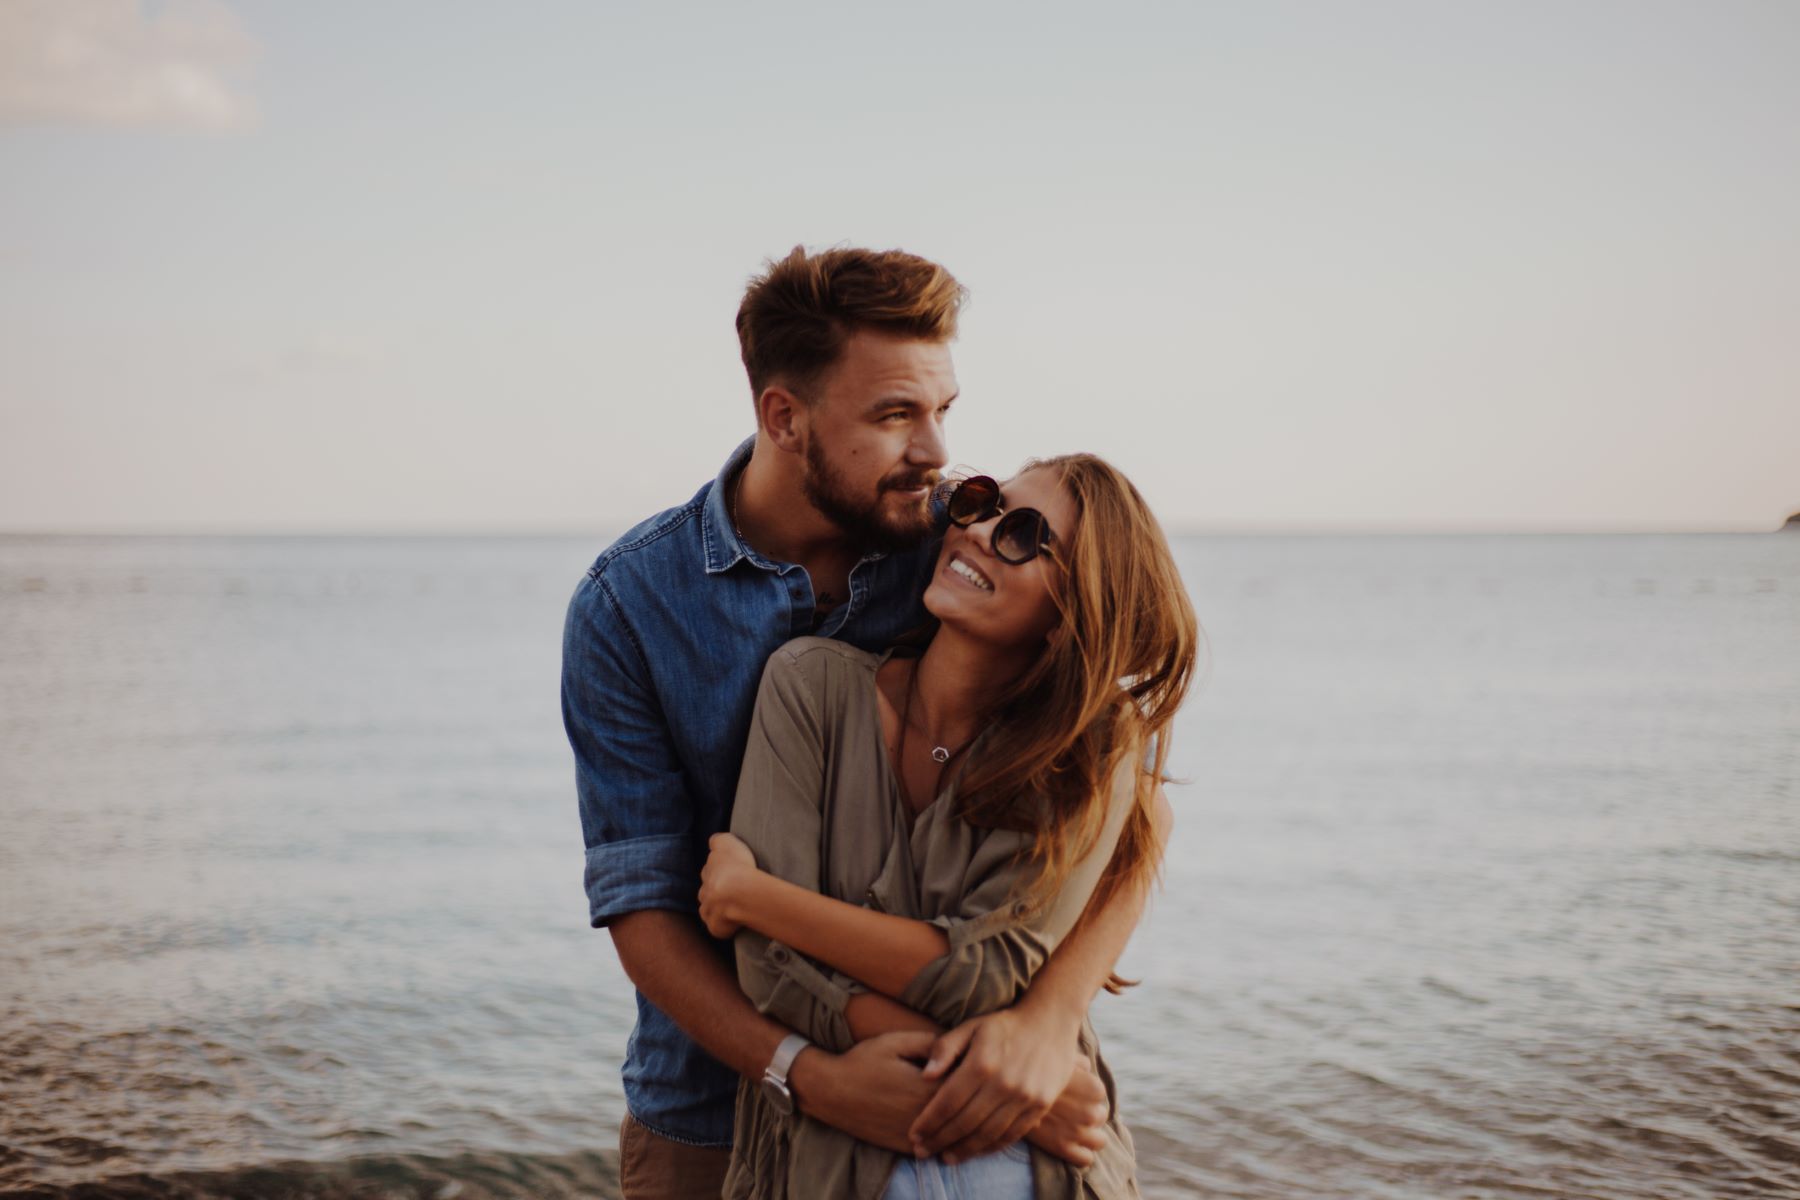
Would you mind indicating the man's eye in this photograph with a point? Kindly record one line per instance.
(895, 416)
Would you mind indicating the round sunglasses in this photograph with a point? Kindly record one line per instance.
(1022, 533)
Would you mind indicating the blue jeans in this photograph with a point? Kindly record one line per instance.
(1002, 1175)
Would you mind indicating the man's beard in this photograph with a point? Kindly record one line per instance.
(865, 522)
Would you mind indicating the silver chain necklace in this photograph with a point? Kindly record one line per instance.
(939, 754)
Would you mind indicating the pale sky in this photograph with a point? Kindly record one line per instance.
(1524, 265)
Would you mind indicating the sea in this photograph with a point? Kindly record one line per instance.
(1485, 881)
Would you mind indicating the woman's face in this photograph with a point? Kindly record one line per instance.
(1003, 603)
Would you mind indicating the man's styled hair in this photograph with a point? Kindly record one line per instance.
(797, 314)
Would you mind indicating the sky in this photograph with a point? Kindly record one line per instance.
(442, 267)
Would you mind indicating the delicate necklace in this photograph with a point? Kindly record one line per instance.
(939, 754)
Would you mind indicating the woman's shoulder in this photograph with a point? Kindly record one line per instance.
(820, 666)
(811, 655)
(819, 680)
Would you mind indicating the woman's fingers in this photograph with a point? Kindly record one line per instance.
(715, 924)
(994, 1132)
(730, 848)
(712, 911)
(728, 860)
(1022, 1124)
(990, 1105)
(939, 1118)
(1069, 1132)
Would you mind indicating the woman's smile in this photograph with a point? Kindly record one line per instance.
(964, 571)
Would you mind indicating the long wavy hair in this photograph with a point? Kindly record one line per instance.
(1104, 692)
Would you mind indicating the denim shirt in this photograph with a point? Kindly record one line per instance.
(663, 648)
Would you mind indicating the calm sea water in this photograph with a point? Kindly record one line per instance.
(1486, 882)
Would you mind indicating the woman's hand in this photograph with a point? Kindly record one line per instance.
(728, 868)
(1001, 1072)
(1075, 1127)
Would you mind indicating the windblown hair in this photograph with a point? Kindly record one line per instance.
(796, 315)
(1104, 691)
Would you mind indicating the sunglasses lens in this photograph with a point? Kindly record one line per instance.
(973, 500)
(1018, 535)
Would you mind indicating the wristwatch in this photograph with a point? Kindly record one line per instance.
(774, 1079)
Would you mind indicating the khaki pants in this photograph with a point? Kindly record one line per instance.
(651, 1167)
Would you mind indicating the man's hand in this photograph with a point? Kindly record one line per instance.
(872, 1092)
(1014, 1065)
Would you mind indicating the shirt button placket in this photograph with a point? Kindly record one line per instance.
(859, 587)
(800, 600)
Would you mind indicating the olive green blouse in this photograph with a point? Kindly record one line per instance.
(818, 803)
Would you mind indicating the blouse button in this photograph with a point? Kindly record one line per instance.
(1021, 908)
(778, 953)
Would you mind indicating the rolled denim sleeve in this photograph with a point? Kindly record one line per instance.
(778, 814)
(998, 940)
(637, 818)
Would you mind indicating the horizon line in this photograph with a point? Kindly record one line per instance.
(611, 531)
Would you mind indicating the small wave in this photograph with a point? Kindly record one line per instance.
(1444, 989)
(481, 1176)
(1729, 854)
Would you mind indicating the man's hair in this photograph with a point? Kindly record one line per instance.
(797, 314)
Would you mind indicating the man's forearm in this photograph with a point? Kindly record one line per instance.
(872, 1093)
(1004, 1072)
(1080, 966)
(672, 961)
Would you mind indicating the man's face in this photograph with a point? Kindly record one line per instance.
(875, 438)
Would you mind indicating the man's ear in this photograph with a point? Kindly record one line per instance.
(784, 417)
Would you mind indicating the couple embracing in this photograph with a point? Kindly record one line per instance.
(869, 766)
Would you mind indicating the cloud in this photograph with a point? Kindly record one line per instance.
(121, 63)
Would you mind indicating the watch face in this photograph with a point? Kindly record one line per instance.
(778, 1096)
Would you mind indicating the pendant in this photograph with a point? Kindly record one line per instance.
(940, 754)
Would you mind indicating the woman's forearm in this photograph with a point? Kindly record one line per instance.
(879, 950)
(871, 1014)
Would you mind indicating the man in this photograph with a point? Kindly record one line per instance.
(819, 524)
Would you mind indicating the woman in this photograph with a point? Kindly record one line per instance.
(913, 835)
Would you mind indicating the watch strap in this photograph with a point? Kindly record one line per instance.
(785, 1054)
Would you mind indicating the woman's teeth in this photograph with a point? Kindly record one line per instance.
(964, 570)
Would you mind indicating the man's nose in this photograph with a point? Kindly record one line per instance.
(928, 448)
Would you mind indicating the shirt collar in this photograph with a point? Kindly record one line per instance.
(724, 548)
(719, 533)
